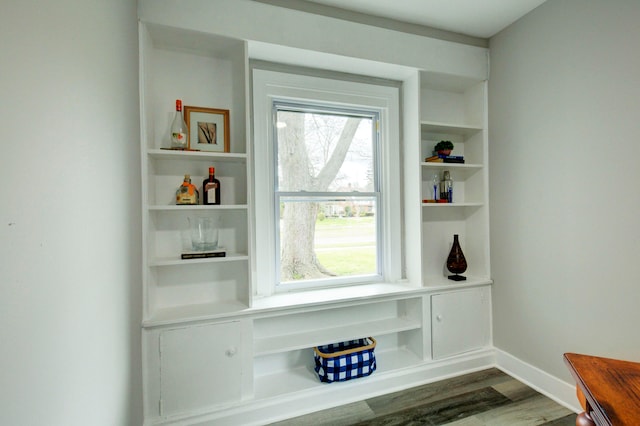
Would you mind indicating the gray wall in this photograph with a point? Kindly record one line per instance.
(69, 214)
(564, 120)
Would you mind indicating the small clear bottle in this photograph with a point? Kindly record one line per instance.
(178, 129)
(446, 187)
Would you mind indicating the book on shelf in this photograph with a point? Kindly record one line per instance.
(204, 254)
(445, 159)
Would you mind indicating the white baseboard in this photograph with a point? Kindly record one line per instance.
(561, 392)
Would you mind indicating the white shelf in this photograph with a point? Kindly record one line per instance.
(286, 382)
(168, 154)
(456, 166)
(304, 378)
(195, 312)
(393, 360)
(311, 338)
(173, 207)
(449, 128)
(450, 205)
(433, 283)
(172, 261)
(462, 171)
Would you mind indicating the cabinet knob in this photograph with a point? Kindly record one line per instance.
(231, 351)
(439, 318)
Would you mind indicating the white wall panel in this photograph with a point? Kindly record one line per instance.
(564, 180)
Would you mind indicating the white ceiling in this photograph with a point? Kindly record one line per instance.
(478, 18)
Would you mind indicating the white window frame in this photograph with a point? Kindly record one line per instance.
(270, 85)
(374, 115)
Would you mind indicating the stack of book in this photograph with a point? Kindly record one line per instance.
(445, 159)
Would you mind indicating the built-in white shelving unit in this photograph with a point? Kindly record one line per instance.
(205, 71)
(454, 108)
(213, 351)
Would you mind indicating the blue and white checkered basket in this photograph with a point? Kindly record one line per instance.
(346, 360)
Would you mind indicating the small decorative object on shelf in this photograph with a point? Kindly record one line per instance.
(178, 129)
(456, 263)
(446, 187)
(187, 193)
(208, 128)
(204, 233)
(443, 148)
(211, 188)
(435, 182)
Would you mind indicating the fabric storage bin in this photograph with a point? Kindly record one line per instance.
(346, 360)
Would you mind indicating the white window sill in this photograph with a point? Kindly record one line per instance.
(333, 295)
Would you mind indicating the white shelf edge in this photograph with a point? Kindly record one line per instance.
(195, 312)
(158, 207)
(433, 284)
(452, 165)
(451, 205)
(194, 155)
(230, 257)
(328, 296)
(311, 338)
(427, 126)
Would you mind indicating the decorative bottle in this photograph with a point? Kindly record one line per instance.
(187, 193)
(178, 129)
(446, 187)
(211, 188)
(456, 263)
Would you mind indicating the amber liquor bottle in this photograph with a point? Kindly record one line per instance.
(211, 188)
(187, 193)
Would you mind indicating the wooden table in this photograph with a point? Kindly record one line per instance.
(608, 390)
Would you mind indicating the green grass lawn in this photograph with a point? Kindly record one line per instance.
(354, 241)
(355, 261)
(341, 222)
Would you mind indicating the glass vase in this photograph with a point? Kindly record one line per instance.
(456, 262)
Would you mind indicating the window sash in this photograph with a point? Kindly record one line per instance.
(312, 107)
(315, 107)
(376, 276)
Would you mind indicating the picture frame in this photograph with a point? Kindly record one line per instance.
(208, 128)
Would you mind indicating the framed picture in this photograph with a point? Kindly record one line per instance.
(208, 128)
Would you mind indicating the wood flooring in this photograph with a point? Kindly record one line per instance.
(485, 398)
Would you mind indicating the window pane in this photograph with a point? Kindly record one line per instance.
(327, 239)
(319, 152)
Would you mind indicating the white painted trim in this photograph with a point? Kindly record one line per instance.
(269, 85)
(550, 386)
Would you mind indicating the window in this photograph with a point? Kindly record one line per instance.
(327, 190)
(326, 182)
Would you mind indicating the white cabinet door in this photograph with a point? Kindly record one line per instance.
(459, 321)
(200, 366)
